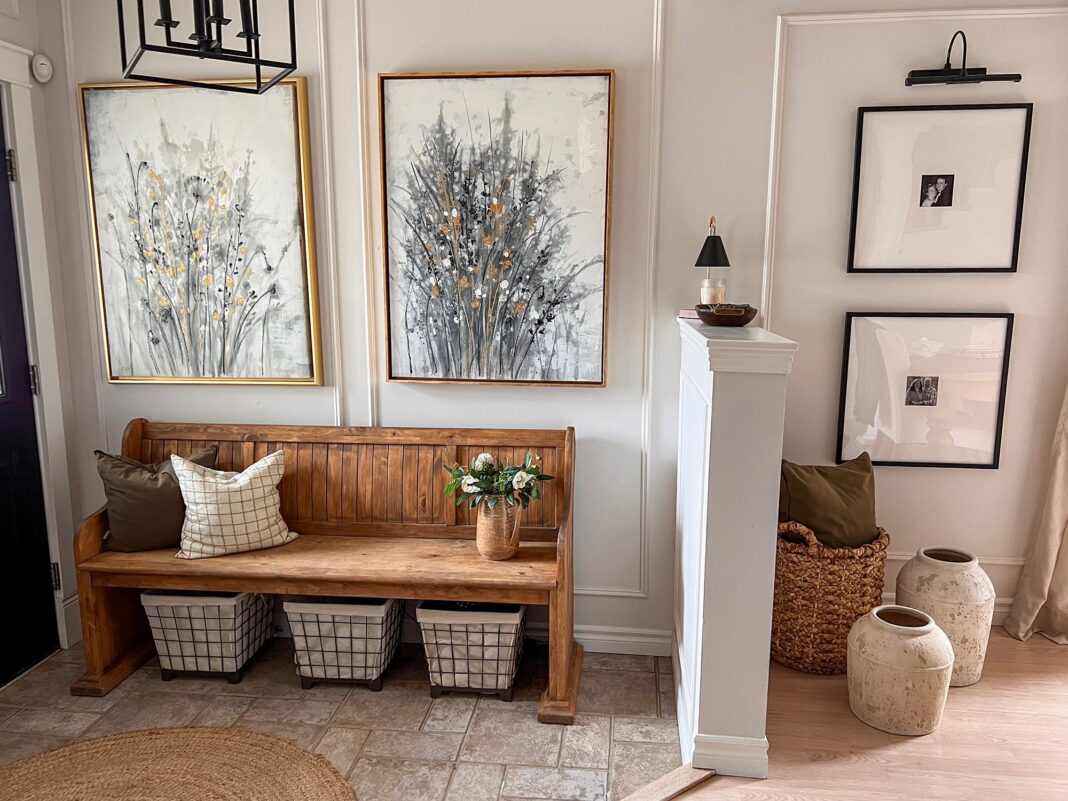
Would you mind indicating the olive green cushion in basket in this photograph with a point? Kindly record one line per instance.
(145, 507)
(837, 503)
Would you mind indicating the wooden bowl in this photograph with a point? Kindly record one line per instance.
(726, 313)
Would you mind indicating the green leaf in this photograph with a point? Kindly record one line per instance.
(511, 500)
(529, 458)
(533, 490)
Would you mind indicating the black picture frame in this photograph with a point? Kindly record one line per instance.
(1002, 386)
(863, 111)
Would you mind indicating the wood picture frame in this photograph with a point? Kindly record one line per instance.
(974, 221)
(892, 410)
(265, 278)
(455, 347)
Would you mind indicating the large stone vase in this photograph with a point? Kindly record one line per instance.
(949, 585)
(898, 664)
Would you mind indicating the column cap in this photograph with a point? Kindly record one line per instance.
(744, 349)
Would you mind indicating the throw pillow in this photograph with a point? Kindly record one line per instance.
(231, 512)
(145, 508)
(837, 503)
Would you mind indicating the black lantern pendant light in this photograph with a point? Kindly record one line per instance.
(204, 32)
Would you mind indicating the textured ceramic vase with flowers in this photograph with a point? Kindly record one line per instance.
(950, 586)
(500, 494)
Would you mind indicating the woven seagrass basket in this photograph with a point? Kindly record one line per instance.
(819, 593)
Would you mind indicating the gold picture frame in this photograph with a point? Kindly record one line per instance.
(392, 373)
(305, 223)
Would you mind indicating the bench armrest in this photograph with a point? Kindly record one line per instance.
(89, 536)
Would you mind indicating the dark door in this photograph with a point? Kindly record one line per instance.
(25, 567)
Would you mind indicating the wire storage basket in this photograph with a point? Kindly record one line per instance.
(820, 592)
(344, 639)
(472, 647)
(206, 633)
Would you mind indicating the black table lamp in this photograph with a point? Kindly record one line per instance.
(713, 254)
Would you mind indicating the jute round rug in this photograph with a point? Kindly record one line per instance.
(192, 764)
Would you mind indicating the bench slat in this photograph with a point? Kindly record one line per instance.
(315, 558)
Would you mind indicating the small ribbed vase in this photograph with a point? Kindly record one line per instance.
(950, 586)
(898, 664)
(497, 530)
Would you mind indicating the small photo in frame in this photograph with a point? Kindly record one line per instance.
(924, 389)
(939, 188)
(936, 191)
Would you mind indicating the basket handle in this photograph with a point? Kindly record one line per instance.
(796, 532)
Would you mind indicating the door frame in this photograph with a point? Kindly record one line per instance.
(46, 338)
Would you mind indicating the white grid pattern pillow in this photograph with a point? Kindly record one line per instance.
(231, 512)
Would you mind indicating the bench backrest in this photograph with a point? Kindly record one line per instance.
(371, 481)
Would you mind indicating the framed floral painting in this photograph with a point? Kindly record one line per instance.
(496, 197)
(201, 206)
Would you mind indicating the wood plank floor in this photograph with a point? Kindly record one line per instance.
(1003, 739)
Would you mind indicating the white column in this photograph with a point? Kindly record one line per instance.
(732, 398)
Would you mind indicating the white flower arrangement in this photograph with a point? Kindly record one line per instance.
(486, 481)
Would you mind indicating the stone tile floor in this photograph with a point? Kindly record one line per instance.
(395, 744)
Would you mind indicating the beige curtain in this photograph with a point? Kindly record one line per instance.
(1041, 604)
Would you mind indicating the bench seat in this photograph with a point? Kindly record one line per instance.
(407, 567)
(373, 522)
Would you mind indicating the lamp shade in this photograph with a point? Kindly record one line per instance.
(713, 254)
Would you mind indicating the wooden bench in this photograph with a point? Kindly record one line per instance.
(373, 521)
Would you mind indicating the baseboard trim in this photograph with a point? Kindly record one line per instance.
(614, 639)
(70, 613)
(731, 756)
(1001, 607)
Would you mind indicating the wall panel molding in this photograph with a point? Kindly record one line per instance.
(365, 121)
(87, 252)
(649, 323)
(328, 219)
(375, 293)
(787, 21)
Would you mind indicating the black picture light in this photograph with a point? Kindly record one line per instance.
(948, 74)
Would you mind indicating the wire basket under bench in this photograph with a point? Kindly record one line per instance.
(343, 639)
(206, 633)
(472, 647)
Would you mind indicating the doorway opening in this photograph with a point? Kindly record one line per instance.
(27, 574)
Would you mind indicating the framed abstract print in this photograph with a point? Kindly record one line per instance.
(924, 389)
(201, 205)
(496, 197)
(939, 188)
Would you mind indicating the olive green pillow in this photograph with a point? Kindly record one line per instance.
(145, 507)
(837, 503)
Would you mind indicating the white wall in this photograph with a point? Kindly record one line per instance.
(719, 65)
(623, 578)
(699, 146)
(990, 513)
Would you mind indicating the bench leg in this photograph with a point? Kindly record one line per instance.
(560, 699)
(116, 633)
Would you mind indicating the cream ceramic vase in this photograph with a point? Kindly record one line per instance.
(898, 664)
(949, 585)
